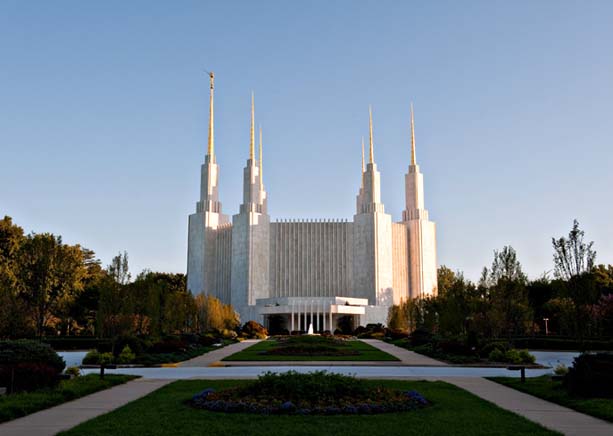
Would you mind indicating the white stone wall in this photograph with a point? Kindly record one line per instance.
(400, 258)
(310, 258)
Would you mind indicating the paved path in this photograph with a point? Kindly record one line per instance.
(550, 415)
(406, 357)
(214, 356)
(65, 416)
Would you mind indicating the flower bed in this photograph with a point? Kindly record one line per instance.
(316, 393)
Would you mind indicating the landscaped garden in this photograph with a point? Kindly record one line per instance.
(170, 411)
(463, 350)
(587, 386)
(316, 348)
(31, 372)
(315, 393)
(170, 349)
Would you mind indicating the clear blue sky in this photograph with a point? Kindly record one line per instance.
(104, 106)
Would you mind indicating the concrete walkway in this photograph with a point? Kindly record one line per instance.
(408, 358)
(550, 415)
(215, 356)
(65, 416)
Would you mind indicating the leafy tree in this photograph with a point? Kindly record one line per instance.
(574, 264)
(14, 320)
(510, 310)
(51, 275)
(572, 257)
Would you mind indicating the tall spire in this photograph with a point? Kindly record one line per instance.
(252, 141)
(372, 153)
(260, 162)
(211, 149)
(363, 164)
(413, 161)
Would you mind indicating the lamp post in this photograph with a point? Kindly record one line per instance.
(546, 326)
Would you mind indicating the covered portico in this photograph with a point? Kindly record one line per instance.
(322, 312)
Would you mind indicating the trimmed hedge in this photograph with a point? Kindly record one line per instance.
(77, 342)
(28, 365)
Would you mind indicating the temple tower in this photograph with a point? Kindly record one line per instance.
(250, 236)
(201, 274)
(421, 231)
(372, 238)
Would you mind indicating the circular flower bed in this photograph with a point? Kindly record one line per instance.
(316, 393)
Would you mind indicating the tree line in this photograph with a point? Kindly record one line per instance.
(577, 301)
(50, 288)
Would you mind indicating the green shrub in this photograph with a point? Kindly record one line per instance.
(496, 355)
(512, 356)
(560, 369)
(28, 365)
(491, 346)
(91, 358)
(126, 355)
(105, 358)
(526, 357)
(136, 344)
(73, 371)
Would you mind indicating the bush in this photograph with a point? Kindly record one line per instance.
(453, 346)
(526, 357)
(496, 355)
(396, 334)
(136, 344)
(228, 334)
(126, 355)
(252, 328)
(491, 346)
(591, 376)
(207, 340)
(28, 365)
(420, 337)
(560, 369)
(168, 346)
(91, 358)
(511, 356)
(73, 371)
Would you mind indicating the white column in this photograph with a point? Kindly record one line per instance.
(331, 326)
(292, 319)
(317, 316)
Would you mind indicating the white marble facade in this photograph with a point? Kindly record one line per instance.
(369, 263)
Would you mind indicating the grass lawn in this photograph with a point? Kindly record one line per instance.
(21, 404)
(366, 352)
(550, 390)
(453, 411)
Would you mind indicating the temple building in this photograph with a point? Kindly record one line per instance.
(310, 271)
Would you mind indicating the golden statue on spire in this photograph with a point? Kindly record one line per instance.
(211, 149)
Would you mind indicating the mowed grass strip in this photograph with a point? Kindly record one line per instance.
(366, 353)
(552, 390)
(20, 404)
(453, 411)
